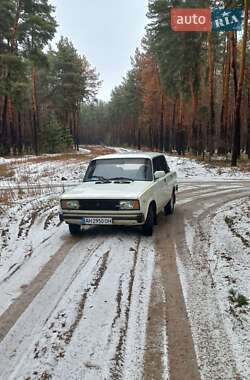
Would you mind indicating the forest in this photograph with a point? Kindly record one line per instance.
(42, 89)
(185, 92)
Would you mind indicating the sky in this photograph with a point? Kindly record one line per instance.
(106, 32)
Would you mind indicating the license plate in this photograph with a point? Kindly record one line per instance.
(97, 221)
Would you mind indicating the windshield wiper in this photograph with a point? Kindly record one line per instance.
(121, 179)
(102, 179)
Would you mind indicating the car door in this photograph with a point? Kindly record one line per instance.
(160, 186)
(167, 185)
(168, 180)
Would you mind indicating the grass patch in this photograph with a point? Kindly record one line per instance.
(230, 222)
(221, 162)
(237, 299)
(6, 171)
(73, 156)
(5, 198)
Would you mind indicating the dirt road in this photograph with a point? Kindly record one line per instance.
(111, 304)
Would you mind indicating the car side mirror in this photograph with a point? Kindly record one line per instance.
(159, 174)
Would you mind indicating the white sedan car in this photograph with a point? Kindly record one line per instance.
(121, 189)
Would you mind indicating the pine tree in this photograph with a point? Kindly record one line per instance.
(72, 81)
(237, 123)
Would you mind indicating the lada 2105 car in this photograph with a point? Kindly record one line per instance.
(121, 189)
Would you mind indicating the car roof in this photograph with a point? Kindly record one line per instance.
(146, 155)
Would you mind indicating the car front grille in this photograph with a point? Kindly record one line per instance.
(99, 204)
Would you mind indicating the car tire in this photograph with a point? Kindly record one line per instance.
(169, 208)
(148, 227)
(74, 229)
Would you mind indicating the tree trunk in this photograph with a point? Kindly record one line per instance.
(225, 102)
(151, 138)
(12, 127)
(180, 135)
(211, 128)
(173, 128)
(20, 137)
(237, 124)
(201, 143)
(5, 144)
(34, 111)
(248, 122)
(138, 133)
(233, 41)
(194, 132)
(161, 137)
(166, 127)
(7, 100)
(78, 127)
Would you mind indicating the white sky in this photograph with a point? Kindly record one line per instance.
(107, 32)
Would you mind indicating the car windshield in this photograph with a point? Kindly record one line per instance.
(119, 169)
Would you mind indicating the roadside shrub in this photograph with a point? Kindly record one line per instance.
(237, 299)
(229, 221)
(55, 138)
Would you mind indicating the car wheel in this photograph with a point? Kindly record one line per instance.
(169, 208)
(148, 227)
(74, 229)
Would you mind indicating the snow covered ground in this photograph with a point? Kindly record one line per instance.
(32, 239)
(30, 231)
(45, 169)
(217, 275)
(76, 327)
(53, 337)
(193, 169)
(29, 206)
(49, 170)
(229, 256)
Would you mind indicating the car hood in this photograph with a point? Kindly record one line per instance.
(91, 190)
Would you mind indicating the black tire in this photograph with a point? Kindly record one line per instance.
(148, 227)
(169, 208)
(74, 229)
(155, 220)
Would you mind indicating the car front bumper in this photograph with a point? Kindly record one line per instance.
(119, 219)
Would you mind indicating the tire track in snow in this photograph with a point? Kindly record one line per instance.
(213, 350)
(64, 337)
(13, 313)
(156, 364)
(181, 359)
(139, 307)
(24, 244)
(102, 316)
(118, 359)
(117, 281)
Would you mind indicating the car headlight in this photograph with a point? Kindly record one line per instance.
(129, 205)
(70, 205)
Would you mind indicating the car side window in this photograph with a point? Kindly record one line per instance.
(165, 164)
(160, 164)
(156, 164)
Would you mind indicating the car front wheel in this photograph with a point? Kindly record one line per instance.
(148, 227)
